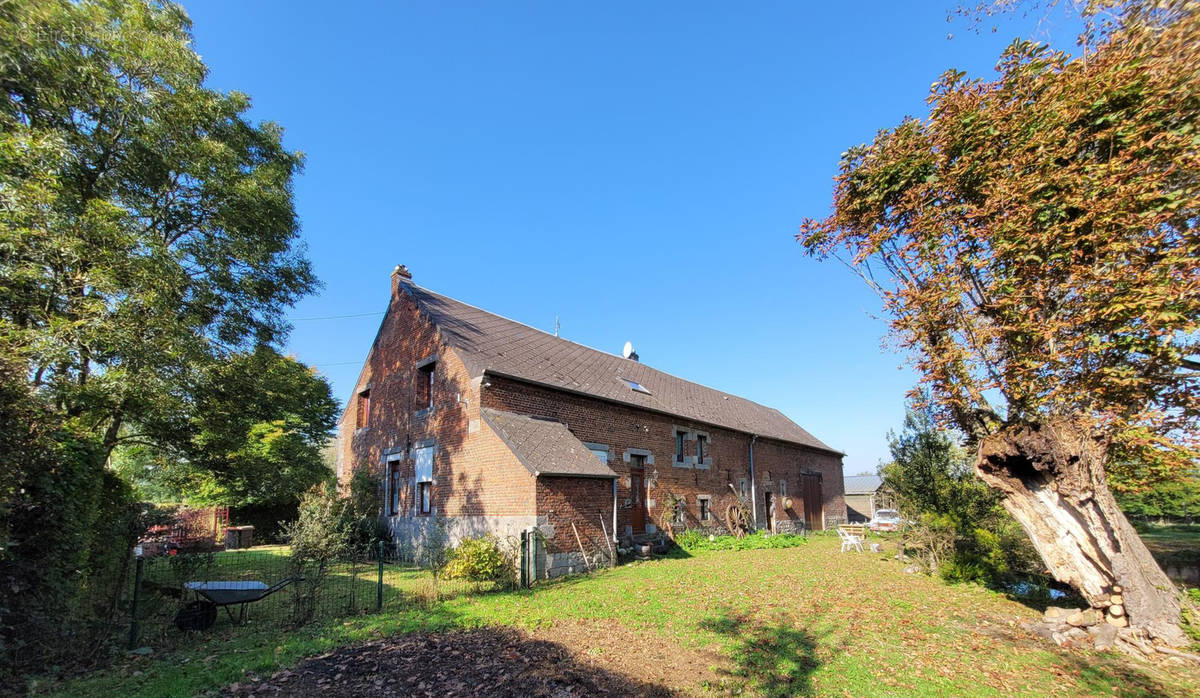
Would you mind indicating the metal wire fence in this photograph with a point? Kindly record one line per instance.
(179, 598)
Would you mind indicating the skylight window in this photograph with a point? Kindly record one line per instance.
(636, 387)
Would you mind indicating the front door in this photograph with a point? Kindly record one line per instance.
(770, 501)
(637, 486)
(810, 493)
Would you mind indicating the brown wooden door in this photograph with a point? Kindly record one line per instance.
(637, 486)
(770, 502)
(810, 494)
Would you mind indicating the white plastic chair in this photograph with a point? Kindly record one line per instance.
(850, 541)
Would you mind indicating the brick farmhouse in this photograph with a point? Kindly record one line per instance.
(478, 424)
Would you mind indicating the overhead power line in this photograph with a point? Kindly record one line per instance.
(333, 317)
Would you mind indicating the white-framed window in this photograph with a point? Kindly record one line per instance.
(393, 483)
(423, 458)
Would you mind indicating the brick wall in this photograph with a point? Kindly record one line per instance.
(478, 485)
(623, 428)
(585, 502)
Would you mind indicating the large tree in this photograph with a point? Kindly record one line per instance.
(147, 227)
(248, 434)
(1034, 242)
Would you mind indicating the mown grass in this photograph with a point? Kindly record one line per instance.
(804, 620)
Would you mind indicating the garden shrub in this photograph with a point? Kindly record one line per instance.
(481, 559)
(960, 530)
(695, 540)
(362, 509)
(318, 538)
(67, 527)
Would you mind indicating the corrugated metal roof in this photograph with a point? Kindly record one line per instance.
(493, 344)
(545, 446)
(862, 484)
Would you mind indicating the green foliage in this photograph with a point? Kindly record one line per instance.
(318, 537)
(960, 530)
(1191, 614)
(66, 529)
(482, 559)
(251, 434)
(148, 234)
(149, 229)
(362, 510)
(1176, 498)
(931, 473)
(695, 540)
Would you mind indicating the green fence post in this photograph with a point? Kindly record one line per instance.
(379, 587)
(133, 607)
(524, 559)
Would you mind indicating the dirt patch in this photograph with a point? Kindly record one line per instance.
(485, 662)
(645, 656)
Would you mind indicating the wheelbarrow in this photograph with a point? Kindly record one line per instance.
(200, 614)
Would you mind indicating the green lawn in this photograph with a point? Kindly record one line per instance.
(768, 622)
(1172, 541)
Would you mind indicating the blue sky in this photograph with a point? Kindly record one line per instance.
(636, 169)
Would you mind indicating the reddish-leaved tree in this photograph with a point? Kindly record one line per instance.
(1035, 244)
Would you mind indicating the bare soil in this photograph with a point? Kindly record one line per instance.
(484, 662)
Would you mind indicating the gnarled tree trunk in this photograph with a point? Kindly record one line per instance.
(1052, 476)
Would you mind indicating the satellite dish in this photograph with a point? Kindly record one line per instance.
(628, 350)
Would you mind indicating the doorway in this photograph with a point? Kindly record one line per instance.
(769, 498)
(637, 495)
(810, 494)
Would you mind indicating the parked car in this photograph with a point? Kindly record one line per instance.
(885, 520)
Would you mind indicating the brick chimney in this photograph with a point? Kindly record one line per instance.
(400, 275)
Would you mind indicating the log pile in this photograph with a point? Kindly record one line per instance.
(1102, 627)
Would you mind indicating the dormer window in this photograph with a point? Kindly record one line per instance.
(635, 386)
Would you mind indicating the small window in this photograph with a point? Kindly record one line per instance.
(680, 438)
(680, 511)
(701, 450)
(636, 387)
(782, 488)
(425, 388)
(601, 453)
(705, 509)
(394, 484)
(424, 473)
(743, 488)
(425, 492)
(362, 411)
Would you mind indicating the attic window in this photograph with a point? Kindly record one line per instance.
(362, 411)
(636, 387)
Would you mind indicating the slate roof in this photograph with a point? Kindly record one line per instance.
(862, 484)
(493, 344)
(545, 446)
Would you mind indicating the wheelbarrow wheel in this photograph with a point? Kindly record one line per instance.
(197, 615)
